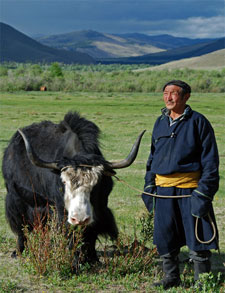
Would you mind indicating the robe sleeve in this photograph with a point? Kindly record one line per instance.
(208, 184)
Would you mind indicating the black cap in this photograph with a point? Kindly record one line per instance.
(186, 87)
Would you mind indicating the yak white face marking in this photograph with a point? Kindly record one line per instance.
(78, 186)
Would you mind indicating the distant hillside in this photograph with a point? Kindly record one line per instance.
(211, 61)
(100, 45)
(16, 46)
(103, 45)
(165, 42)
(171, 55)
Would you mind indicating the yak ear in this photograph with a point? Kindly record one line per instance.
(72, 143)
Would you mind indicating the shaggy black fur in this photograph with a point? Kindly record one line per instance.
(30, 189)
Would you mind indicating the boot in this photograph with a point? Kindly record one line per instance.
(171, 271)
(200, 268)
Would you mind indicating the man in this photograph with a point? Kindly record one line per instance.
(183, 161)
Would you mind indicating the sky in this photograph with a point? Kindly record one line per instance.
(180, 18)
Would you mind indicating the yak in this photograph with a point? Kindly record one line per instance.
(61, 165)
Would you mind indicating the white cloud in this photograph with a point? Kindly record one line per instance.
(192, 27)
(201, 27)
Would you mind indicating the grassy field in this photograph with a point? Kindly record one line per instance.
(121, 117)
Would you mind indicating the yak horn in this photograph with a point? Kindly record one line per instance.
(35, 160)
(131, 157)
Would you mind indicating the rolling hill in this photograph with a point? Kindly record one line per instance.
(165, 42)
(171, 55)
(210, 61)
(16, 46)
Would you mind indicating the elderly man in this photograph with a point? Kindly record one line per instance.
(183, 160)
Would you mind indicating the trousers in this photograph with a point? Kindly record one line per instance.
(174, 225)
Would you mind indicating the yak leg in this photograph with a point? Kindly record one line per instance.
(20, 245)
(86, 253)
(16, 210)
(88, 249)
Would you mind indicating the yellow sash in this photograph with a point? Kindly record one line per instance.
(180, 180)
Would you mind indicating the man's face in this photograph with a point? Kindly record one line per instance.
(173, 98)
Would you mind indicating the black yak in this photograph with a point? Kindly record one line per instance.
(61, 165)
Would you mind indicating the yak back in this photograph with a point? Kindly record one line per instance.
(86, 131)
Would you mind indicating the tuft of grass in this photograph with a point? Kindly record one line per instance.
(129, 257)
(5, 242)
(147, 227)
(209, 282)
(48, 247)
(8, 286)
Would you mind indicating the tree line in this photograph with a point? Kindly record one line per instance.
(103, 78)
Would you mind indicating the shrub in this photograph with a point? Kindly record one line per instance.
(107, 78)
(36, 69)
(208, 282)
(147, 227)
(47, 247)
(128, 257)
(3, 71)
(56, 70)
(47, 252)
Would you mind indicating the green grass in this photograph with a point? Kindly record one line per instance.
(121, 117)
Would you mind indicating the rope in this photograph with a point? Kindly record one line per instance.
(152, 194)
(175, 197)
(213, 228)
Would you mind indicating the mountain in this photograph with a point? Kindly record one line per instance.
(16, 46)
(103, 45)
(99, 45)
(163, 41)
(210, 61)
(88, 47)
(171, 55)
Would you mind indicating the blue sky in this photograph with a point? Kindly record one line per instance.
(183, 18)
